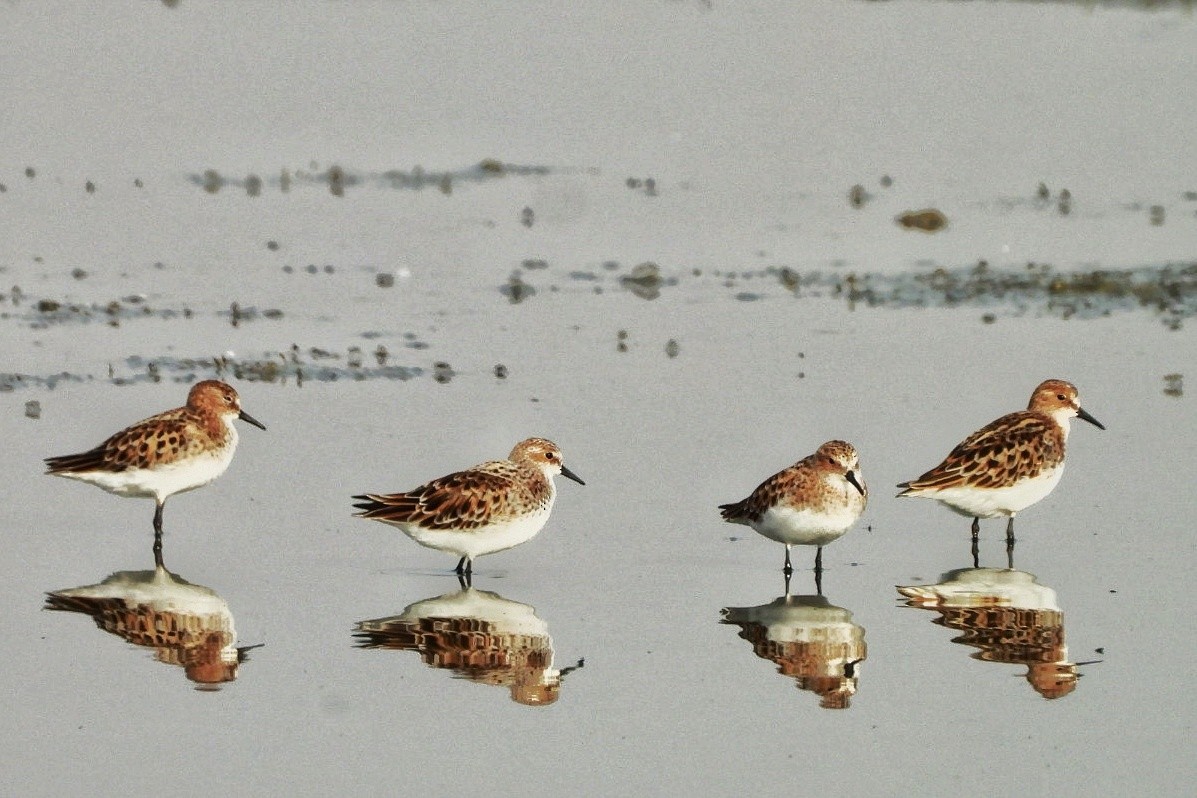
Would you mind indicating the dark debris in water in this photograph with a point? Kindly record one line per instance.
(336, 179)
(46, 312)
(295, 366)
(929, 220)
(1168, 291)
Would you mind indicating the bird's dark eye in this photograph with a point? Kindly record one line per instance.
(550, 456)
(1060, 396)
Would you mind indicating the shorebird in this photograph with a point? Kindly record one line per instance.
(491, 507)
(1008, 465)
(172, 452)
(811, 503)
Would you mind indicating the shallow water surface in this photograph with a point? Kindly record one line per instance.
(695, 280)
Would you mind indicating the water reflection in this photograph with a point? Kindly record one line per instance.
(477, 635)
(1009, 617)
(185, 624)
(810, 640)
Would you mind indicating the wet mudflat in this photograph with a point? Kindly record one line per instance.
(684, 317)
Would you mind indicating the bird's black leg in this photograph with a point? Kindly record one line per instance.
(460, 569)
(1010, 543)
(819, 571)
(976, 553)
(158, 535)
(787, 569)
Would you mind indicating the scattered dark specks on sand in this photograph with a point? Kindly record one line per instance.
(672, 349)
(212, 181)
(644, 280)
(516, 290)
(78, 274)
(384, 280)
(790, 279)
(336, 181)
(500, 371)
(527, 217)
(1064, 202)
(747, 296)
(253, 186)
(648, 185)
(929, 220)
(272, 245)
(33, 409)
(621, 341)
(1156, 214)
(30, 172)
(534, 264)
(89, 187)
(238, 314)
(413, 341)
(1174, 385)
(442, 372)
(381, 354)
(857, 196)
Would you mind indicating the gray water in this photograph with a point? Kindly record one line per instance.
(681, 341)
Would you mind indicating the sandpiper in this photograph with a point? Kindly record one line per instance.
(491, 507)
(811, 503)
(1008, 465)
(172, 452)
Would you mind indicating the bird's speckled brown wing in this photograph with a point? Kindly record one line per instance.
(464, 500)
(143, 445)
(771, 492)
(1016, 446)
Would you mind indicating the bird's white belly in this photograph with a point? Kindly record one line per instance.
(162, 480)
(992, 502)
(484, 540)
(805, 527)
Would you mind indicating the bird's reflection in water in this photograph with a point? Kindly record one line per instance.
(1009, 617)
(810, 640)
(185, 624)
(477, 635)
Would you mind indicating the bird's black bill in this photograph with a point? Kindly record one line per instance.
(1081, 414)
(248, 419)
(565, 472)
(851, 477)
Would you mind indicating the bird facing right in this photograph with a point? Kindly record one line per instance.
(491, 507)
(811, 503)
(1008, 465)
